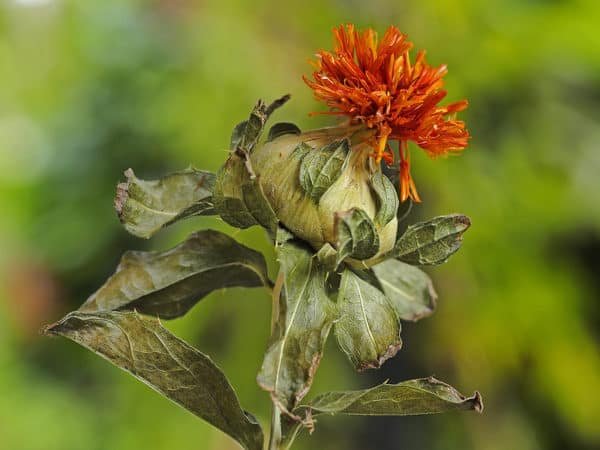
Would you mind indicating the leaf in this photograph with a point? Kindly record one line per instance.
(168, 284)
(282, 128)
(387, 199)
(414, 397)
(320, 168)
(239, 198)
(246, 134)
(237, 135)
(408, 288)
(305, 318)
(228, 195)
(258, 205)
(356, 235)
(367, 328)
(408, 398)
(165, 363)
(328, 257)
(431, 242)
(146, 206)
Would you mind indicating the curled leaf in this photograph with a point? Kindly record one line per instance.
(246, 134)
(282, 128)
(387, 199)
(168, 284)
(146, 206)
(165, 363)
(414, 397)
(320, 168)
(408, 398)
(356, 235)
(258, 205)
(239, 198)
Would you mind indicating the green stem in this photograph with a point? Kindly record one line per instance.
(275, 437)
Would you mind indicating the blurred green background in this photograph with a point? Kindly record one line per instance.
(90, 88)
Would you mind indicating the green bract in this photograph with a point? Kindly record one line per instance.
(314, 179)
(332, 215)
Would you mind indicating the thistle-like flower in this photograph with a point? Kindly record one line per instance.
(346, 267)
(375, 83)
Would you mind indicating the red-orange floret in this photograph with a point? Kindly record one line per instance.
(374, 82)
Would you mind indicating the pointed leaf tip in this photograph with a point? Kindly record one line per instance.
(413, 397)
(408, 398)
(431, 242)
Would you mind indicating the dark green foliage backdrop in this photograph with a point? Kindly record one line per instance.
(90, 88)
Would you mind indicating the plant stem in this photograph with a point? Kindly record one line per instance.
(275, 437)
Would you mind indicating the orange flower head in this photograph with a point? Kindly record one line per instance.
(375, 83)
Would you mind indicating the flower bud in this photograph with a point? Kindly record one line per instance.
(312, 215)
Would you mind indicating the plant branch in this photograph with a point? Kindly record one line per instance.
(275, 437)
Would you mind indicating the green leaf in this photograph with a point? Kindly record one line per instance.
(431, 242)
(239, 198)
(356, 235)
(387, 199)
(282, 128)
(146, 206)
(246, 134)
(228, 195)
(408, 288)
(237, 135)
(414, 397)
(305, 318)
(367, 328)
(168, 284)
(258, 205)
(408, 398)
(165, 363)
(320, 168)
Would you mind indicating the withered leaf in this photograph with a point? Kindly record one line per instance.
(408, 398)
(246, 134)
(305, 318)
(228, 196)
(239, 198)
(146, 206)
(431, 242)
(367, 327)
(169, 283)
(413, 397)
(408, 288)
(142, 347)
